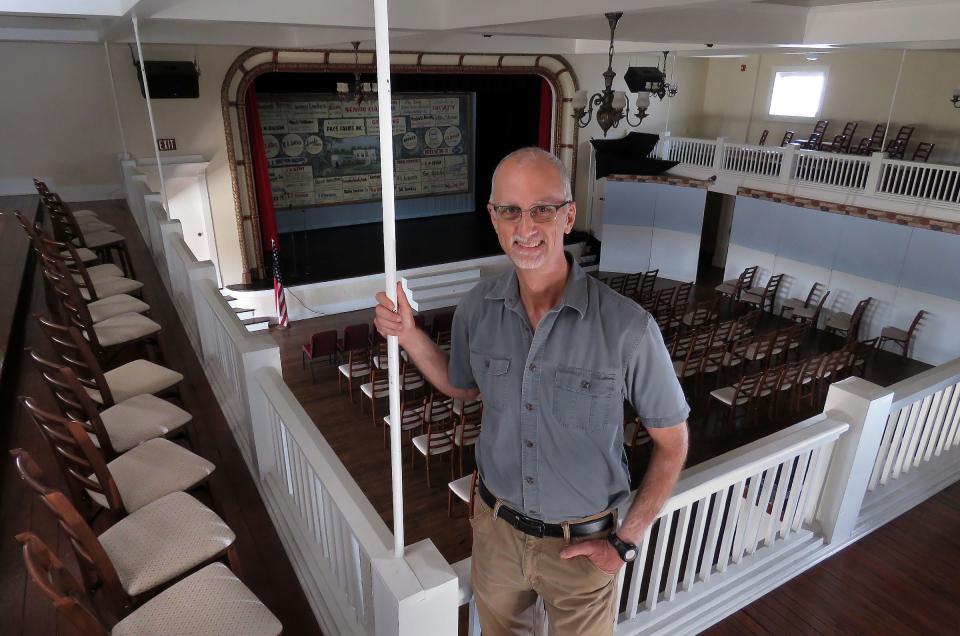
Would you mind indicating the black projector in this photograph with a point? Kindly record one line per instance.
(643, 79)
(170, 80)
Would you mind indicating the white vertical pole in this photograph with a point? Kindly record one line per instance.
(116, 101)
(153, 127)
(385, 112)
(893, 101)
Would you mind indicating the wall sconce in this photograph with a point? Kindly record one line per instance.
(956, 98)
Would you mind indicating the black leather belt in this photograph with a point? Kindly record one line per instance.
(540, 529)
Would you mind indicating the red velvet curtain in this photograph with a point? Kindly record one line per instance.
(261, 177)
(546, 115)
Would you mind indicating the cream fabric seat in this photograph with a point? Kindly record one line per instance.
(630, 430)
(793, 304)
(805, 312)
(163, 540)
(461, 488)
(102, 239)
(725, 395)
(99, 272)
(111, 306)
(111, 286)
(840, 320)
(84, 214)
(140, 418)
(86, 255)
(212, 602)
(894, 333)
(124, 328)
(359, 370)
(92, 226)
(728, 287)
(420, 443)
(152, 470)
(138, 377)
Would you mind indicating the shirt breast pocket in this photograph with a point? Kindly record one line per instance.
(491, 373)
(585, 399)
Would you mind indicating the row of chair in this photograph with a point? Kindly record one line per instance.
(895, 148)
(157, 567)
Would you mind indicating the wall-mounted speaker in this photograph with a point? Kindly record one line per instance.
(170, 80)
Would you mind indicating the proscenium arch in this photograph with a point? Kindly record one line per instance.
(255, 62)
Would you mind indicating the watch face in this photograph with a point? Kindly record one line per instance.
(630, 554)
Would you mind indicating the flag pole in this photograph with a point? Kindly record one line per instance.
(385, 112)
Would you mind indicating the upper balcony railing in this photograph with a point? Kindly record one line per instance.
(874, 175)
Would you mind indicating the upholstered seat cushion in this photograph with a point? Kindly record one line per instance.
(138, 377)
(727, 289)
(112, 306)
(359, 370)
(457, 435)
(102, 239)
(631, 429)
(805, 312)
(99, 272)
(111, 286)
(793, 303)
(411, 419)
(93, 226)
(140, 418)
(461, 488)
(85, 255)
(84, 214)
(153, 469)
(367, 389)
(163, 540)
(212, 602)
(840, 320)
(725, 395)
(893, 333)
(420, 443)
(124, 328)
(750, 297)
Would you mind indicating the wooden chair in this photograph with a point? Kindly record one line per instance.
(116, 429)
(763, 137)
(703, 313)
(900, 337)
(692, 363)
(682, 297)
(739, 395)
(467, 431)
(761, 351)
(465, 489)
(103, 299)
(81, 215)
(212, 600)
(732, 288)
(810, 315)
(411, 417)
(322, 344)
(635, 434)
(746, 325)
(897, 147)
(759, 296)
(647, 285)
(88, 221)
(127, 483)
(631, 284)
(806, 383)
(105, 244)
(792, 304)
(767, 388)
(137, 377)
(43, 243)
(438, 440)
(616, 282)
(142, 552)
(923, 151)
(355, 337)
(357, 367)
(873, 143)
(377, 388)
(787, 385)
(863, 352)
(787, 138)
(848, 325)
(841, 143)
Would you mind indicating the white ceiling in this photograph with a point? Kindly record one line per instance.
(530, 26)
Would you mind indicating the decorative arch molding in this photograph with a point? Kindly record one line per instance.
(255, 62)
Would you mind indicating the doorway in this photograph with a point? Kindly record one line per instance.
(714, 238)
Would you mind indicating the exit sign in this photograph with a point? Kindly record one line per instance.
(167, 143)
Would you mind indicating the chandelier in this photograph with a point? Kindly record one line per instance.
(359, 91)
(955, 100)
(667, 88)
(612, 106)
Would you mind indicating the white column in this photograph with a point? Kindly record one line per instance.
(865, 406)
(874, 171)
(417, 594)
(380, 9)
(153, 127)
(718, 153)
(787, 163)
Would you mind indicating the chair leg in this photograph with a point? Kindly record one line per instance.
(428, 471)
(449, 503)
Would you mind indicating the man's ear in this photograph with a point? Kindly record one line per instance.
(571, 218)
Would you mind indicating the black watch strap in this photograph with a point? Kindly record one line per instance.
(627, 551)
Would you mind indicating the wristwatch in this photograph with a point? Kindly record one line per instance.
(627, 551)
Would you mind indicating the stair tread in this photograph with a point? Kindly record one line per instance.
(241, 310)
(254, 321)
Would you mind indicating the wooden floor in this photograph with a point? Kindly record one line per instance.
(263, 564)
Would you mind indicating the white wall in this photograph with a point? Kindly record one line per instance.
(57, 120)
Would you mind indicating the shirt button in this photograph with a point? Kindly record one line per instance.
(532, 367)
(529, 480)
(529, 406)
(529, 444)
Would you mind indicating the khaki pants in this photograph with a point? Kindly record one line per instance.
(510, 569)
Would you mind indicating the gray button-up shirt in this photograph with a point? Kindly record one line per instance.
(551, 442)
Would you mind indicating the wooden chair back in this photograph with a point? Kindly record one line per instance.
(79, 459)
(770, 291)
(787, 138)
(923, 151)
(872, 143)
(747, 276)
(682, 297)
(746, 324)
(648, 283)
(812, 294)
(73, 401)
(705, 312)
(745, 390)
(58, 585)
(468, 428)
(74, 352)
(65, 226)
(816, 314)
(915, 323)
(769, 382)
(616, 282)
(857, 317)
(438, 408)
(411, 380)
(763, 137)
(813, 141)
(631, 284)
(41, 186)
(724, 331)
(821, 126)
(322, 343)
(356, 337)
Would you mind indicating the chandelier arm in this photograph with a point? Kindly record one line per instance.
(627, 114)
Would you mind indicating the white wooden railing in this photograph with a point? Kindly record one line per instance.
(735, 528)
(874, 176)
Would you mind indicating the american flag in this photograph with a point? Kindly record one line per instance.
(278, 296)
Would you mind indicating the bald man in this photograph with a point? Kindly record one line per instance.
(554, 353)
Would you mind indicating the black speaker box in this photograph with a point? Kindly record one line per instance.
(638, 78)
(171, 80)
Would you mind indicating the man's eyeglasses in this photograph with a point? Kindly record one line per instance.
(539, 213)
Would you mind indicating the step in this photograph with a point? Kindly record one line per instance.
(256, 324)
(243, 310)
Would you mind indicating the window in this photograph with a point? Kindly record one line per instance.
(797, 93)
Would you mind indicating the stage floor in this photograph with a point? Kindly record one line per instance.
(357, 250)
